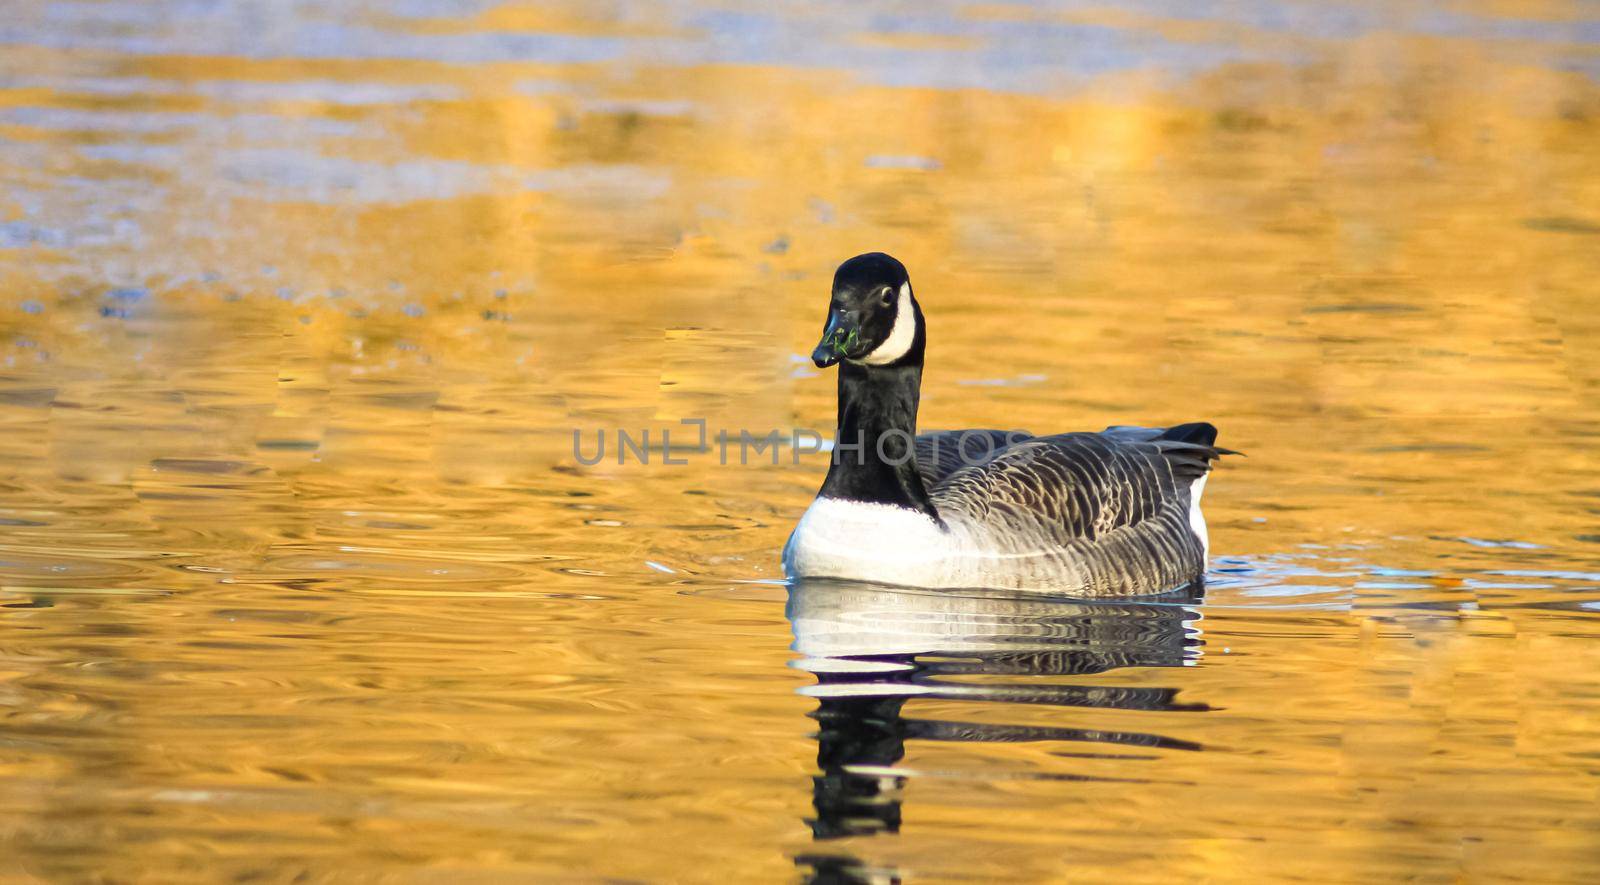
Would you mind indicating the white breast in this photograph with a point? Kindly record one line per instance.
(867, 542)
(897, 545)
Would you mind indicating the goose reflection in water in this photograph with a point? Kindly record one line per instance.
(872, 648)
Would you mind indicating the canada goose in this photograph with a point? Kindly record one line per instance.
(1089, 514)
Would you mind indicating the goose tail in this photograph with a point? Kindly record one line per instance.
(1200, 433)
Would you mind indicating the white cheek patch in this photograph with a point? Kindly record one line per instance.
(901, 337)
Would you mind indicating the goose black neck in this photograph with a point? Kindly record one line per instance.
(874, 456)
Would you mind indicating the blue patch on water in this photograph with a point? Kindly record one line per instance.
(1558, 574)
(1036, 51)
(887, 161)
(20, 235)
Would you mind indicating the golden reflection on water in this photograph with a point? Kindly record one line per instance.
(299, 574)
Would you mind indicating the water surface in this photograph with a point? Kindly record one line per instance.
(300, 307)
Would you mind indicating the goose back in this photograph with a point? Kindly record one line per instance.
(943, 452)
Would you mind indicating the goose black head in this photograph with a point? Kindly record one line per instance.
(872, 318)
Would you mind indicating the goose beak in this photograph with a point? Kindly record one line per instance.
(837, 338)
(823, 356)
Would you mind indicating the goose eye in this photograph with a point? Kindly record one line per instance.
(884, 296)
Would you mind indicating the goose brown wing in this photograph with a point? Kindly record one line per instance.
(1115, 505)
